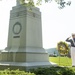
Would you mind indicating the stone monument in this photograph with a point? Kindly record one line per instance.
(24, 49)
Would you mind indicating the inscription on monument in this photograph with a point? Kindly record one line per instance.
(16, 37)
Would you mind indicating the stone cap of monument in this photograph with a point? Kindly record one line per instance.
(22, 8)
(25, 7)
(18, 5)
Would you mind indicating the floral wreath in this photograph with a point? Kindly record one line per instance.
(63, 48)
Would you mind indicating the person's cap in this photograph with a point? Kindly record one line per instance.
(73, 34)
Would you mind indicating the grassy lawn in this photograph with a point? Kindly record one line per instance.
(61, 61)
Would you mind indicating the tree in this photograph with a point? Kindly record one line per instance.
(61, 3)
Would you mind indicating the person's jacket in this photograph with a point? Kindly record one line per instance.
(71, 41)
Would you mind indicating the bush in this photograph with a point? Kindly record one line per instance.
(14, 72)
(54, 71)
(41, 71)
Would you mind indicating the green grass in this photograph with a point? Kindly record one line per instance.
(61, 61)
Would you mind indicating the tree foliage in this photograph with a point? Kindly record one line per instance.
(61, 3)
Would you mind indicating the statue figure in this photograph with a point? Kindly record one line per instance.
(18, 2)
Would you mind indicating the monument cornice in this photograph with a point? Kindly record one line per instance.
(23, 13)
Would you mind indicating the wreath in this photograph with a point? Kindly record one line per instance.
(63, 48)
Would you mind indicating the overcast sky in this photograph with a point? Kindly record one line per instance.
(57, 24)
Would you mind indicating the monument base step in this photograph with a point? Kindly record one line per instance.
(24, 58)
(25, 65)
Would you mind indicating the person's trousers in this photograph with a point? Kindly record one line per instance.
(73, 55)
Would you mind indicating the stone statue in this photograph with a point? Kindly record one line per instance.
(18, 2)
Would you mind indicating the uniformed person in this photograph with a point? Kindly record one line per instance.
(72, 41)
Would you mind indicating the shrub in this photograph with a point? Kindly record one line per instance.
(41, 71)
(14, 72)
(54, 71)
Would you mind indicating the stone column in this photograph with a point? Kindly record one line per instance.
(24, 49)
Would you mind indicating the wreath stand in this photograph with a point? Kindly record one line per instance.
(64, 56)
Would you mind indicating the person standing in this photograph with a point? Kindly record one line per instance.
(72, 41)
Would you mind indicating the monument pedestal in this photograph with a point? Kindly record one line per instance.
(24, 49)
(31, 58)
